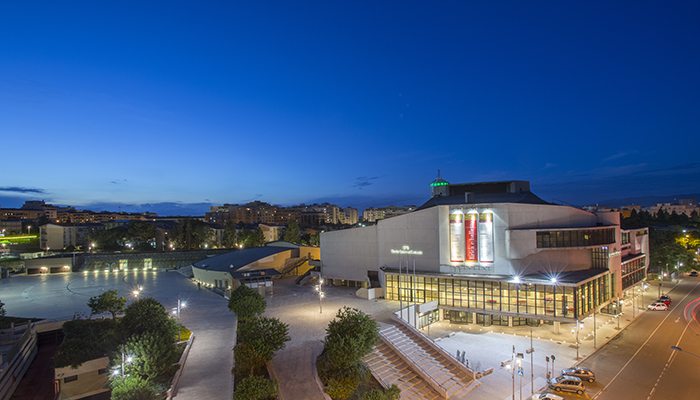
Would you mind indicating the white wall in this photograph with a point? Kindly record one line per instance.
(420, 231)
(349, 253)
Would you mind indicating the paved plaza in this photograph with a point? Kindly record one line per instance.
(207, 373)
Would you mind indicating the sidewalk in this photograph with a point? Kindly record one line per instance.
(488, 347)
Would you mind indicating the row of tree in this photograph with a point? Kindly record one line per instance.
(145, 333)
(189, 234)
(258, 339)
(670, 245)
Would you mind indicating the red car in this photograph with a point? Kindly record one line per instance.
(665, 301)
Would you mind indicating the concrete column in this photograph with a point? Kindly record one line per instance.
(474, 318)
(510, 322)
(557, 327)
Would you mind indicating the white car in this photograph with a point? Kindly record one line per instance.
(657, 307)
(546, 396)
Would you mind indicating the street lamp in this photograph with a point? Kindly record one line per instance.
(676, 348)
(319, 289)
(29, 228)
(125, 360)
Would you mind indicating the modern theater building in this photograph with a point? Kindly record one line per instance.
(492, 253)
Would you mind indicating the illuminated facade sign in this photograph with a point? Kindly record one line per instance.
(457, 243)
(407, 250)
(486, 237)
(471, 237)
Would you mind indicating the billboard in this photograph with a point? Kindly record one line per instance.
(457, 236)
(471, 240)
(486, 237)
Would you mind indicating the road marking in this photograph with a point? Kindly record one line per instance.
(643, 344)
(678, 319)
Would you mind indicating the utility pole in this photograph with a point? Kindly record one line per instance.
(532, 366)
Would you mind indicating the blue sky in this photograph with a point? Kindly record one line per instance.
(183, 104)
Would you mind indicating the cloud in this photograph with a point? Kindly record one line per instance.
(549, 165)
(17, 189)
(363, 181)
(618, 155)
(118, 181)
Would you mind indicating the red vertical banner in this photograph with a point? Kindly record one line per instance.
(471, 237)
(457, 236)
(486, 237)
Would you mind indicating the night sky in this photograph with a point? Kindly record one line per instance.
(172, 106)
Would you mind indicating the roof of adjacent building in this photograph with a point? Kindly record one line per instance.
(478, 198)
(230, 262)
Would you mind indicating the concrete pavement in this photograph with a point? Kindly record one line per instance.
(207, 373)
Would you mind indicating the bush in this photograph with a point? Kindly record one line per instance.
(132, 388)
(341, 382)
(255, 388)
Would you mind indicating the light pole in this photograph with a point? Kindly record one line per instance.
(676, 348)
(319, 289)
(29, 229)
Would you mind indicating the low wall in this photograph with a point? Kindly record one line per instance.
(176, 379)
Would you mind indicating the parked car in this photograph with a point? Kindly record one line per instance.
(693, 273)
(665, 297)
(581, 372)
(546, 396)
(665, 301)
(658, 306)
(567, 383)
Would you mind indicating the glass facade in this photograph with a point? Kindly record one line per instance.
(633, 271)
(575, 238)
(539, 300)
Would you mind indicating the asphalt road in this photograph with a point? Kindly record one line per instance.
(639, 364)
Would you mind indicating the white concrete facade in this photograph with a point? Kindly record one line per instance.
(423, 237)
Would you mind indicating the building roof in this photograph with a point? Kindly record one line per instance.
(478, 198)
(230, 262)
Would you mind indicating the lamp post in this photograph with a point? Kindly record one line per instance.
(676, 348)
(29, 229)
(319, 289)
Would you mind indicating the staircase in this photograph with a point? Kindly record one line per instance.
(411, 361)
(187, 271)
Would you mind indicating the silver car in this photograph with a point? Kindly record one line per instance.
(581, 372)
(567, 383)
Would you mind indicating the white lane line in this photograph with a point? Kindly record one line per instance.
(644, 344)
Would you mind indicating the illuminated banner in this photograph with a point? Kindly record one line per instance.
(486, 237)
(471, 238)
(457, 236)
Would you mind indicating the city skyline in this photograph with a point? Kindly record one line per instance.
(139, 106)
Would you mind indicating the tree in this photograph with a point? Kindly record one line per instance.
(2, 309)
(140, 234)
(131, 388)
(350, 336)
(264, 335)
(86, 339)
(229, 238)
(190, 233)
(153, 357)
(259, 238)
(148, 315)
(255, 388)
(247, 360)
(291, 234)
(246, 302)
(108, 301)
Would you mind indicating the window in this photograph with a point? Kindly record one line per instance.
(575, 238)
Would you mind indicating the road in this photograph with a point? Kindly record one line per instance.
(639, 363)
